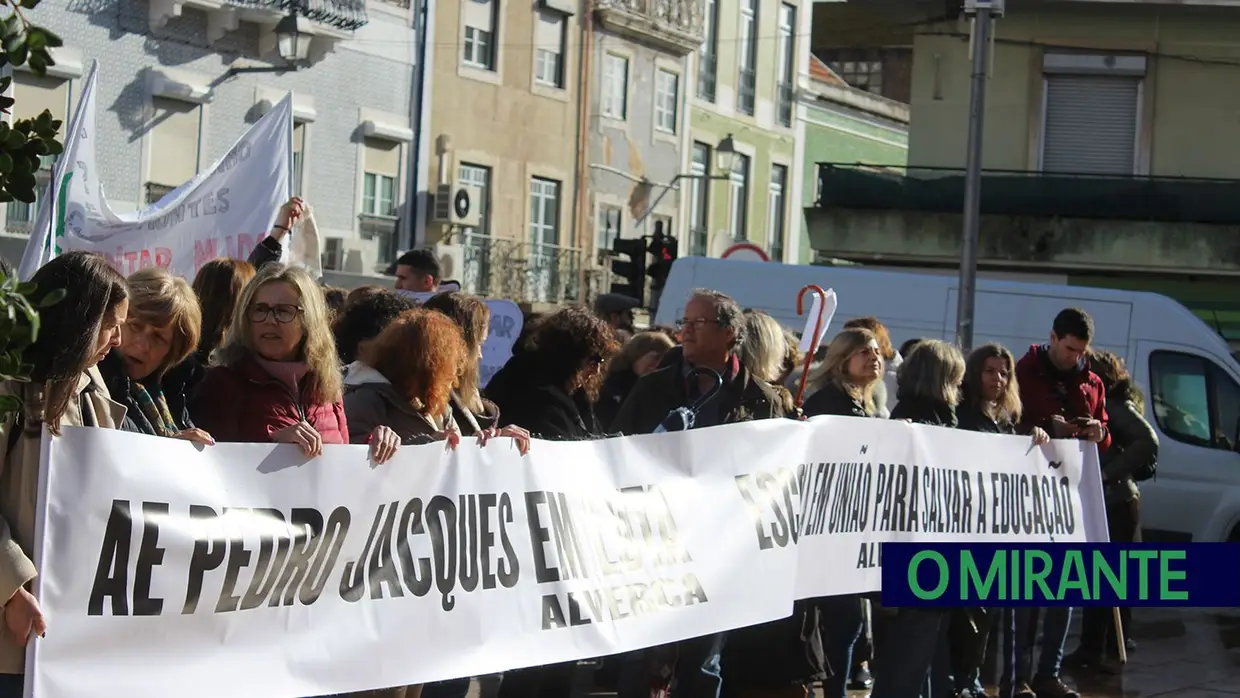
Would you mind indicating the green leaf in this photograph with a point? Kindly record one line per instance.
(16, 139)
(9, 404)
(13, 41)
(6, 162)
(38, 62)
(5, 82)
(52, 298)
(53, 39)
(54, 147)
(13, 24)
(30, 4)
(18, 55)
(36, 39)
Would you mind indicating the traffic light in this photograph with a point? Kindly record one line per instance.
(632, 271)
(663, 248)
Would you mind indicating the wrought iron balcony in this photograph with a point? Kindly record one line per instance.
(745, 91)
(341, 14)
(1032, 194)
(522, 271)
(708, 66)
(672, 25)
(786, 95)
(332, 18)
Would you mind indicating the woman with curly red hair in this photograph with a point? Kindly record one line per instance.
(407, 384)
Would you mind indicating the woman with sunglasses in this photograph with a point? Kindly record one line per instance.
(277, 377)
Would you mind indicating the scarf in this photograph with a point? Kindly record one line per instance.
(155, 408)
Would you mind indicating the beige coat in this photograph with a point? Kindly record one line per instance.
(19, 486)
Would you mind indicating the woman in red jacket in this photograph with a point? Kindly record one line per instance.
(277, 377)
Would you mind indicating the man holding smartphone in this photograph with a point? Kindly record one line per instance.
(1060, 394)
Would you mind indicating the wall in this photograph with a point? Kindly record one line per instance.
(502, 120)
(1185, 95)
(633, 149)
(119, 36)
(834, 133)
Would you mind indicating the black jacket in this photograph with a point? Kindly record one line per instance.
(921, 411)
(116, 377)
(1134, 447)
(741, 399)
(546, 411)
(616, 389)
(973, 419)
(831, 399)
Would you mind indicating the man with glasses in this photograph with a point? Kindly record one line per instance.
(712, 329)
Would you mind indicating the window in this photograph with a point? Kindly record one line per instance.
(739, 210)
(1090, 124)
(666, 99)
(33, 94)
(699, 200)
(333, 254)
(299, 149)
(778, 204)
(708, 54)
(608, 227)
(382, 169)
(1193, 400)
(787, 63)
(749, 57)
(174, 133)
(479, 45)
(615, 86)
(860, 68)
(549, 51)
(476, 242)
(544, 211)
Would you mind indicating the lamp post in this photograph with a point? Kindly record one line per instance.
(725, 160)
(983, 12)
(292, 43)
(725, 156)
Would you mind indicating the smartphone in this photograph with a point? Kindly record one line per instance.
(1080, 422)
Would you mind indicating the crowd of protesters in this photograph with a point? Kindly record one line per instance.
(256, 351)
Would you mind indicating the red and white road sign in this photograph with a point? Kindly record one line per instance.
(745, 252)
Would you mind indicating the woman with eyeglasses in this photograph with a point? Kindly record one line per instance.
(277, 377)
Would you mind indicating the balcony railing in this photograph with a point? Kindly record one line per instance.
(521, 271)
(745, 91)
(708, 65)
(673, 25)
(341, 14)
(1022, 193)
(784, 98)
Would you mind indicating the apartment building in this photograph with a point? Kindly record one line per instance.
(171, 103)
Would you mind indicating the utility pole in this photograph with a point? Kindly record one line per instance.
(983, 14)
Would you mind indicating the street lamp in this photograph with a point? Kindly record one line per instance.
(725, 155)
(292, 43)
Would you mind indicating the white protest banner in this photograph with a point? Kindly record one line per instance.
(507, 320)
(872, 481)
(222, 212)
(169, 570)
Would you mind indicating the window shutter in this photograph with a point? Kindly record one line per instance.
(174, 142)
(480, 14)
(1091, 124)
(549, 30)
(382, 157)
(33, 94)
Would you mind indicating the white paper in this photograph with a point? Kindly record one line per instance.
(507, 320)
(810, 321)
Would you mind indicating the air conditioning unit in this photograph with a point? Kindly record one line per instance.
(458, 205)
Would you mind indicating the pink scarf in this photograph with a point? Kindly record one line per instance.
(288, 372)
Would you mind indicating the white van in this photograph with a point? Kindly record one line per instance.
(1187, 370)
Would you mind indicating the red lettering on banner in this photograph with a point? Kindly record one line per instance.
(163, 257)
(204, 251)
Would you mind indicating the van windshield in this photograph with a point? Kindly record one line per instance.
(1194, 400)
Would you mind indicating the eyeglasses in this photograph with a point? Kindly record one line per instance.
(696, 324)
(282, 312)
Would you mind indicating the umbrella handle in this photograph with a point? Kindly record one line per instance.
(813, 342)
(698, 373)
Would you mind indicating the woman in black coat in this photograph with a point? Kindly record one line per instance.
(990, 403)
(844, 386)
(1133, 456)
(549, 387)
(913, 646)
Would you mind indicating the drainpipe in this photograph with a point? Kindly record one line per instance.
(580, 201)
(413, 231)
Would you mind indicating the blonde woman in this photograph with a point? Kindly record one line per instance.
(844, 383)
(161, 331)
(765, 351)
(929, 384)
(277, 377)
